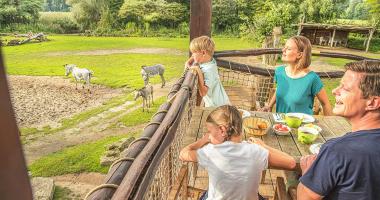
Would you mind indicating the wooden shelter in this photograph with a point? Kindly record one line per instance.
(333, 35)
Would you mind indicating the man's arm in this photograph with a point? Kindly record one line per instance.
(304, 193)
(189, 153)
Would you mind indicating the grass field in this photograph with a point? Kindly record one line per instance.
(113, 70)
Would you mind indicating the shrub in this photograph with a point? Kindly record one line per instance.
(58, 22)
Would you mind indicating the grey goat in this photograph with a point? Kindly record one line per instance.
(149, 71)
(79, 74)
(147, 95)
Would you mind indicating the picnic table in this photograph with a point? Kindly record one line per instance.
(332, 127)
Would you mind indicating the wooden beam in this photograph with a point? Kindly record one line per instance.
(369, 38)
(14, 179)
(333, 38)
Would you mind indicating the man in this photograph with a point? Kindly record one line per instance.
(348, 167)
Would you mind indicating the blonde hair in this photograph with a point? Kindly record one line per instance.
(370, 79)
(228, 116)
(202, 43)
(304, 47)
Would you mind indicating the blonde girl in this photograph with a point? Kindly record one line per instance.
(234, 166)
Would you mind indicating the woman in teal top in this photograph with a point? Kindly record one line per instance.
(296, 84)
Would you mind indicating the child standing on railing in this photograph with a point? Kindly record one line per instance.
(202, 62)
(234, 166)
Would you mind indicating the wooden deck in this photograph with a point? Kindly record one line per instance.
(332, 127)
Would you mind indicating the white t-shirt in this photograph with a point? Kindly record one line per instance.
(234, 169)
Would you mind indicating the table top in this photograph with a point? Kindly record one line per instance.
(332, 126)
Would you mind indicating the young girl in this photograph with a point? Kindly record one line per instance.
(234, 166)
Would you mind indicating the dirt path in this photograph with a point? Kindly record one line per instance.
(89, 130)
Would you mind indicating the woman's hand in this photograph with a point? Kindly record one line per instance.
(266, 109)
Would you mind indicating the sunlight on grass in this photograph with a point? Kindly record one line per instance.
(77, 159)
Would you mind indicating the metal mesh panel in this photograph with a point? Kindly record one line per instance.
(246, 90)
(170, 164)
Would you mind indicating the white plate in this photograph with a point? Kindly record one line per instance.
(314, 148)
(306, 118)
(245, 113)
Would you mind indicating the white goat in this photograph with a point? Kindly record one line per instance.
(147, 95)
(79, 74)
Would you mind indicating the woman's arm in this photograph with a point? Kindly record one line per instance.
(189, 153)
(276, 158)
(322, 97)
(269, 107)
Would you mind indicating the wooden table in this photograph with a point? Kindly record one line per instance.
(332, 127)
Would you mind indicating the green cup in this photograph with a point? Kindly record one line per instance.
(293, 121)
(307, 135)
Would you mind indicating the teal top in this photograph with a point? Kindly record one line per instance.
(296, 94)
(216, 95)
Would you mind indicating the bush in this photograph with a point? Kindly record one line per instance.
(58, 22)
(357, 43)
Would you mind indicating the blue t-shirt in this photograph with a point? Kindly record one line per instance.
(347, 167)
(216, 95)
(296, 94)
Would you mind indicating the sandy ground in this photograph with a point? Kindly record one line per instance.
(42, 100)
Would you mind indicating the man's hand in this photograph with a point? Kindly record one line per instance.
(306, 162)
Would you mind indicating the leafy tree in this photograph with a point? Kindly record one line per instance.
(87, 13)
(19, 11)
(321, 10)
(154, 12)
(225, 14)
(56, 5)
(374, 12)
(356, 9)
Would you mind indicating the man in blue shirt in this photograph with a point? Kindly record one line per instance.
(348, 167)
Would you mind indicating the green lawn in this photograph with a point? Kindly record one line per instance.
(113, 70)
(77, 159)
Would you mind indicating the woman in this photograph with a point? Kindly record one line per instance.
(234, 166)
(296, 84)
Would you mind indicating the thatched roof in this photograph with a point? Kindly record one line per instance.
(349, 28)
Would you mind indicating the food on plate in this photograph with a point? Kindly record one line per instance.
(281, 127)
(262, 125)
(319, 129)
(292, 120)
(255, 125)
(307, 135)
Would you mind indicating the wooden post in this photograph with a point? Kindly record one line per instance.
(200, 24)
(333, 38)
(369, 38)
(14, 179)
(300, 25)
(200, 18)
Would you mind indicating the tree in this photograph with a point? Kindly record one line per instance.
(19, 11)
(374, 12)
(87, 13)
(321, 10)
(154, 12)
(56, 5)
